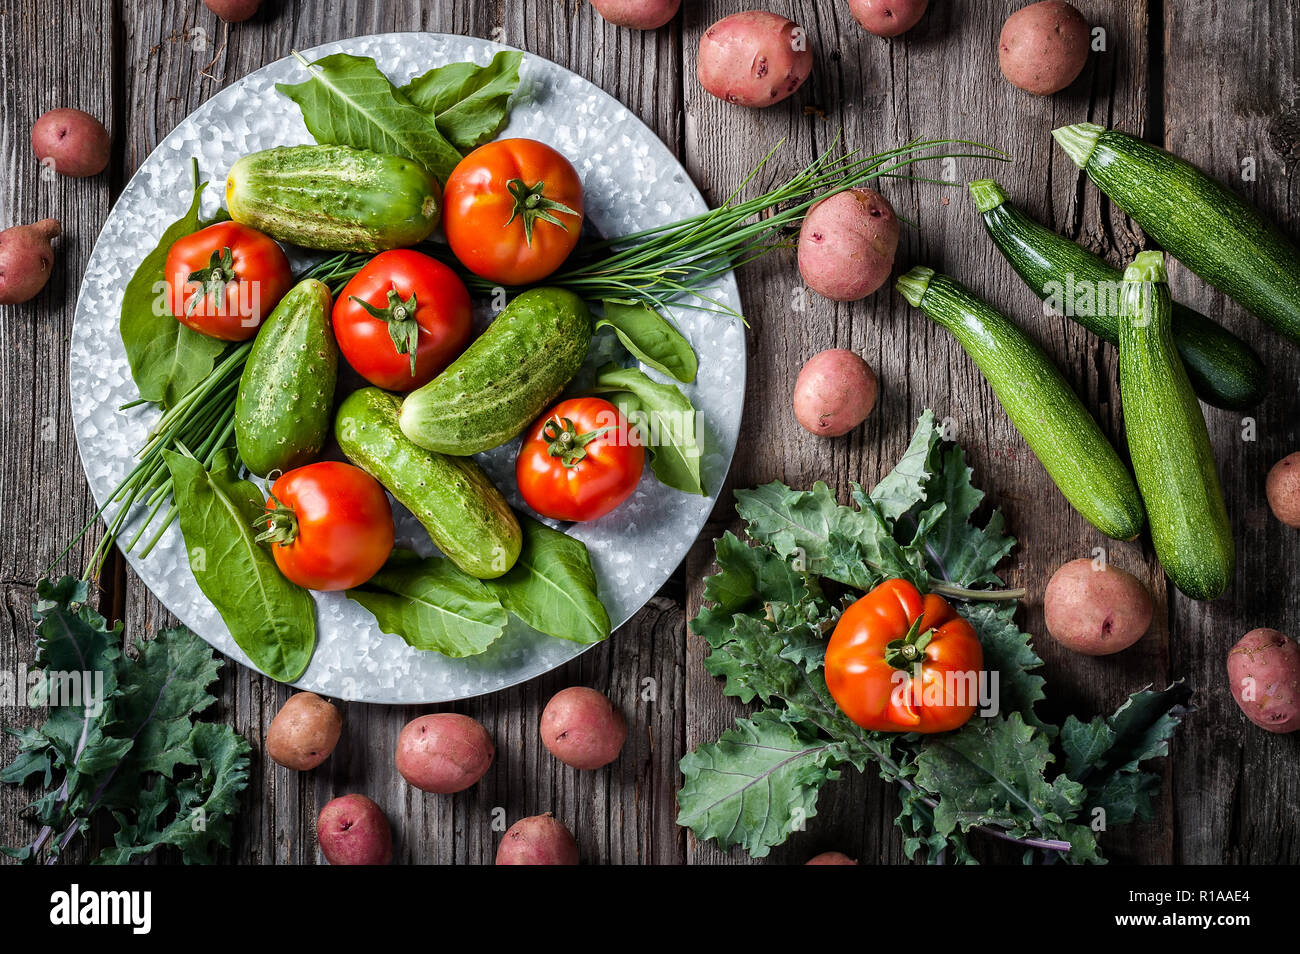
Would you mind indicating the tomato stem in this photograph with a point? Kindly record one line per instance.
(400, 318)
(212, 280)
(281, 524)
(532, 203)
(564, 441)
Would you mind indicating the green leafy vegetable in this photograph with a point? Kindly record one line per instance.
(666, 421)
(650, 338)
(270, 618)
(127, 742)
(167, 358)
(470, 104)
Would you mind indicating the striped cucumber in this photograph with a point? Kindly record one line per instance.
(1210, 229)
(1225, 371)
(1054, 423)
(1168, 441)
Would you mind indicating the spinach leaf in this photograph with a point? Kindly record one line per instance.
(350, 102)
(650, 338)
(666, 420)
(552, 586)
(433, 605)
(470, 104)
(270, 618)
(167, 358)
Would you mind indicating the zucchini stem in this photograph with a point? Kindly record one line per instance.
(913, 284)
(1078, 141)
(987, 194)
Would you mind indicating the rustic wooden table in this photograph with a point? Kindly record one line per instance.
(1213, 82)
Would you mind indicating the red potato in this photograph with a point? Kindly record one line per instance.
(539, 840)
(1043, 47)
(304, 732)
(637, 14)
(830, 858)
(352, 830)
(1282, 488)
(1096, 612)
(834, 393)
(754, 58)
(233, 11)
(444, 752)
(25, 260)
(847, 244)
(74, 143)
(888, 17)
(582, 728)
(1264, 675)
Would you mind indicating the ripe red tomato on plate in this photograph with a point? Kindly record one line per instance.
(402, 319)
(223, 280)
(512, 211)
(579, 461)
(329, 524)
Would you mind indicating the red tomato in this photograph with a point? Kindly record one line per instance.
(512, 211)
(402, 319)
(580, 461)
(223, 280)
(329, 525)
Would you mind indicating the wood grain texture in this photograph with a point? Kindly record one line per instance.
(1214, 87)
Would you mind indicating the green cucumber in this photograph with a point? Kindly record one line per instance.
(1214, 232)
(1054, 423)
(505, 379)
(466, 516)
(1225, 371)
(286, 392)
(1168, 441)
(334, 198)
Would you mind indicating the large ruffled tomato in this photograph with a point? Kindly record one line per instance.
(223, 280)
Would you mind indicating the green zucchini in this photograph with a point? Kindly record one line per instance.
(334, 198)
(505, 379)
(1054, 423)
(1207, 227)
(1168, 441)
(286, 392)
(466, 516)
(1225, 371)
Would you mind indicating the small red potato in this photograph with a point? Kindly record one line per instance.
(582, 728)
(74, 143)
(444, 752)
(637, 14)
(233, 11)
(25, 260)
(831, 857)
(753, 58)
(1282, 488)
(1096, 612)
(304, 732)
(1264, 675)
(1043, 47)
(352, 830)
(887, 17)
(847, 244)
(539, 840)
(834, 393)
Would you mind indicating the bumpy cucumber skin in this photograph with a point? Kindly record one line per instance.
(1040, 403)
(505, 379)
(1225, 371)
(286, 392)
(466, 516)
(1204, 225)
(334, 198)
(1170, 449)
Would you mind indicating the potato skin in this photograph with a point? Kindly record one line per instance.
(888, 17)
(834, 393)
(831, 857)
(582, 728)
(1282, 487)
(304, 732)
(352, 830)
(1096, 612)
(1043, 47)
(444, 752)
(847, 244)
(25, 260)
(537, 840)
(1265, 665)
(637, 14)
(76, 143)
(753, 59)
(233, 11)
